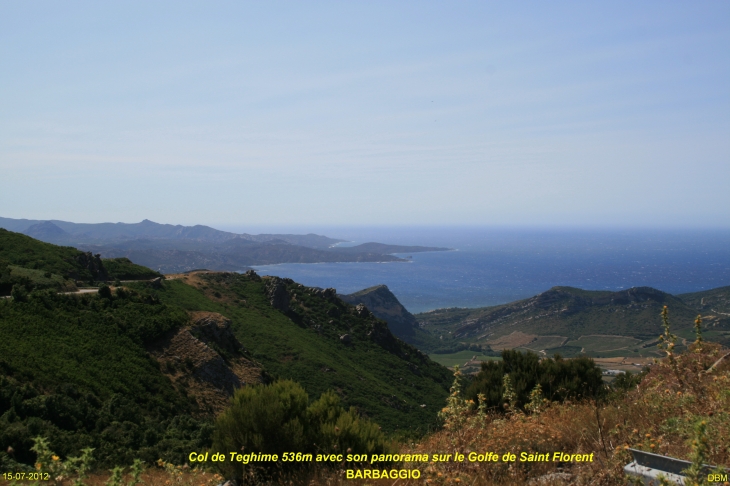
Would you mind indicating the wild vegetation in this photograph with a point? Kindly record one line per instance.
(82, 392)
(322, 343)
(123, 269)
(75, 370)
(558, 379)
(278, 419)
(33, 265)
(681, 408)
(574, 322)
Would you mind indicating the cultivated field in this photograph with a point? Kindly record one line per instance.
(546, 342)
(511, 341)
(600, 344)
(461, 358)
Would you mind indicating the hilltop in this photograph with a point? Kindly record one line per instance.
(36, 265)
(386, 306)
(381, 302)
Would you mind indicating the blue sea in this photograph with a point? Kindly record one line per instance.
(490, 266)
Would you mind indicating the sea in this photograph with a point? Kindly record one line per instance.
(491, 266)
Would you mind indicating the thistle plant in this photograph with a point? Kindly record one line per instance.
(667, 342)
(698, 331)
(47, 462)
(454, 413)
(537, 400)
(482, 407)
(700, 448)
(509, 393)
(116, 479)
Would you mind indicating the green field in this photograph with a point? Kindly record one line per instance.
(460, 358)
(602, 344)
(564, 351)
(545, 342)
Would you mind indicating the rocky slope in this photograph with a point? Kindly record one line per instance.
(384, 305)
(207, 360)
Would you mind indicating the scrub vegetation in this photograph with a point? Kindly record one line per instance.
(86, 387)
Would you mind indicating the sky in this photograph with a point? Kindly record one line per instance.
(420, 113)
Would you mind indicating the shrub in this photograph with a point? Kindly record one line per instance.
(18, 293)
(559, 379)
(277, 418)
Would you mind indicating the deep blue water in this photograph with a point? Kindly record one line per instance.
(495, 266)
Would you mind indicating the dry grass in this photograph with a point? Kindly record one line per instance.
(158, 476)
(512, 341)
(658, 416)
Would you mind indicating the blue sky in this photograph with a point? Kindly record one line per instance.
(372, 113)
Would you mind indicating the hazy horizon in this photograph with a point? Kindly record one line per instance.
(325, 114)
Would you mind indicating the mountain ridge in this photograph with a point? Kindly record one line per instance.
(177, 248)
(561, 315)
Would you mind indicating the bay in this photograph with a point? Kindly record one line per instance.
(491, 266)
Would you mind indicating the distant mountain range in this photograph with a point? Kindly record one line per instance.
(563, 320)
(176, 248)
(571, 321)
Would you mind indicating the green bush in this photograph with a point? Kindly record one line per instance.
(558, 378)
(277, 419)
(18, 293)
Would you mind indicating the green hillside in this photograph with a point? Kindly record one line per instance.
(75, 370)
(102, 370)
(714, 301)
(70, 263)
(38, 265)
(124, 269)
(323, 343)
(572, 321)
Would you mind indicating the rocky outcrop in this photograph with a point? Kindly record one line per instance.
(215, 330)
(328, 294)
(362, 311)
(384, 305)
(277, 293)
(207, 360)
(381, 335)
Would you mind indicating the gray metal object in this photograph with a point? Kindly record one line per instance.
(647, 467)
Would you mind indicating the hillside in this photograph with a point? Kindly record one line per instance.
(75, 370)
(311, 336)
(569, 321)
(142, 369)
(38, 265)
(384, 305)
(69, 263)
(714, 301)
